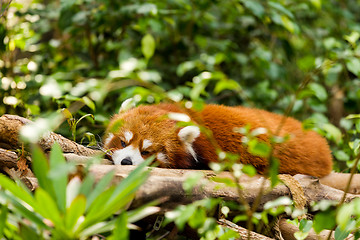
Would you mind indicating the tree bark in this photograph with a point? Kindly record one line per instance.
(169, 182)
(10, 126)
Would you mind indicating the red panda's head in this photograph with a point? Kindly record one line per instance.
(146, 131)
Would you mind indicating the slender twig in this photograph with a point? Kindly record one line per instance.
(5, 9)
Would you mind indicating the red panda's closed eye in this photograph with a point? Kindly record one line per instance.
(145, 153)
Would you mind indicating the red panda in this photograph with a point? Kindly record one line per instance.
(138, 133)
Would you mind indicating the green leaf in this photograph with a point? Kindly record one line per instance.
(353, 38)
(41, 169)
(344, 215)
(116, 198)
(142, 212)
(47, 207)
(226, 85)
(300, 235)
(121, 231)
(87, 185)
(82, 117)
(249, 170)
(316, 3)
(280, 8)
(259, 148)
(91, 139)
(16, 190)
(289, 25)
(198, 89)
(66, 3)
(341, 234)
(332, 132)
(274, 171)
(148, 46)
(305, 225)
(281, 201)
(353, 116)
(100, 227)
(324, 220)
(99, 188)
(227, 181)
(95, 213)
(319, 91)
(59, 181)
(255, 7)
(74, 212)
(341, 155)
(185, 67)
(184, 214)
(306, 63)
(3, 217)
(198, 218)
(353, 65)
(88, 102)
(28, 233)
(25, 212)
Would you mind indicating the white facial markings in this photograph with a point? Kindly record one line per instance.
(128, 152)
(146, 143)
(162, 157)
(108, 139)
(187, 135)
(128, 136)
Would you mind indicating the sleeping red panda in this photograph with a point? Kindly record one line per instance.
(138, 133)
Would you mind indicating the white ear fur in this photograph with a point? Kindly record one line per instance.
(188, 134)
(127, 105)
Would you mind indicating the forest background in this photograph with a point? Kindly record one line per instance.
(300, 58)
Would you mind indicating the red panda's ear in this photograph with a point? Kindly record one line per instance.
(127, 105)
(188, 134)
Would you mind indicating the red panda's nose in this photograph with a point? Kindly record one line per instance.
(126, 161)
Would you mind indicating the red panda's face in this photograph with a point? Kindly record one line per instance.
(138, 134)
(128, 147)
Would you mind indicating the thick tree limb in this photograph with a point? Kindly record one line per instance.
(10, 126)
(169, 182)
(340, 180)
(7, 158)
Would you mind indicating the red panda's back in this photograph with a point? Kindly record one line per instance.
(305, 152)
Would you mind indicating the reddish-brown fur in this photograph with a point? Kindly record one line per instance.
(305, 152)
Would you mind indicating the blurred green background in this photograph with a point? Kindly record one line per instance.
(266, 54)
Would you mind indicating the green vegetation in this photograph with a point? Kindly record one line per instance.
(300, 58)
(74, 210)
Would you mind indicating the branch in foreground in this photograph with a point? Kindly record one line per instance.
(10, 126)
(169, 182)
(7, 158)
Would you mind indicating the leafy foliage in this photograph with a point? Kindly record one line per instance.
(295, 57)
(74, 210)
